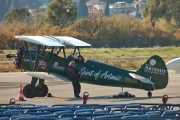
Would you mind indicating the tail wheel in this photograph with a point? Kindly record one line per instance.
(42, 90)
(149, 94)
(29, 91)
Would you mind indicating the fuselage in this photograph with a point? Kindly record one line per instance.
(94, 72)
(91, 72)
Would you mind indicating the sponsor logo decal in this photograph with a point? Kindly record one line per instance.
(42, 64)
(55, 66)
(28, 60)
(152, 62)
(153, 70)
(99, 74)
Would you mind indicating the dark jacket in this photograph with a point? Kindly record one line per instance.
(72, 73)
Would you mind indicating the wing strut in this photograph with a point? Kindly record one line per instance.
(78, 50)
(64, 52)
(51, 52)
(74, 51)
(50, 58)
(27, 49)
(36, 57)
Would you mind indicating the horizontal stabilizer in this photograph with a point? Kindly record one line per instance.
(141, 78)
(43, 75)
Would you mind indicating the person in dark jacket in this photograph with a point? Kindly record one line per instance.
(73, 76)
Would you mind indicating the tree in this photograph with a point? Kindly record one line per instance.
(60, 12)
(82, 10)
(17, 14)
(167, 9)
(106, 12)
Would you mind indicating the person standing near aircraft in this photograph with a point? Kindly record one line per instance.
(73, 76)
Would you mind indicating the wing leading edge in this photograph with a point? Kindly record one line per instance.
(54, 40)
(71, 41)
(46, 76)
(41, 40)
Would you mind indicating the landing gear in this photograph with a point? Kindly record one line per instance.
(42, 91)
(149, 94)
(29, 91)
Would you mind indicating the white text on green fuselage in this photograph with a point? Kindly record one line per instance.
(99, 74)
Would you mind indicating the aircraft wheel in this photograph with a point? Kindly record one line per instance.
(42, 91)
(149, 94)
(29, 91)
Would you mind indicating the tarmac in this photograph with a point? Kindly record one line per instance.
(63, 92)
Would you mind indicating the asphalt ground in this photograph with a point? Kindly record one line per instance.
(63, 92)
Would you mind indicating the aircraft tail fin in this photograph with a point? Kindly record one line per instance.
(155, 70)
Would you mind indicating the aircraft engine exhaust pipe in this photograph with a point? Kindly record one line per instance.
(10, 55)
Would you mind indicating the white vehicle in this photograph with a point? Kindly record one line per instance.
(174, 65)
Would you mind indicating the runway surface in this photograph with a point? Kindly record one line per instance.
(63, 92)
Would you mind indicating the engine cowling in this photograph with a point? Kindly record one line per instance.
(18, 57)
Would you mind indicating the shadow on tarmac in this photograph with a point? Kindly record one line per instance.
(133, 99)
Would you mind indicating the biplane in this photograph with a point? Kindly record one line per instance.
(45, 63)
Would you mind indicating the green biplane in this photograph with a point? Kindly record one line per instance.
(48, 61)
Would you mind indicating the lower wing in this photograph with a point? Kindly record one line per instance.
(46, 76)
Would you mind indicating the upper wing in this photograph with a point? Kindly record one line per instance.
(54, 40)
(46, 76)
(39, 40)
(65, 40)
(141, 78)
